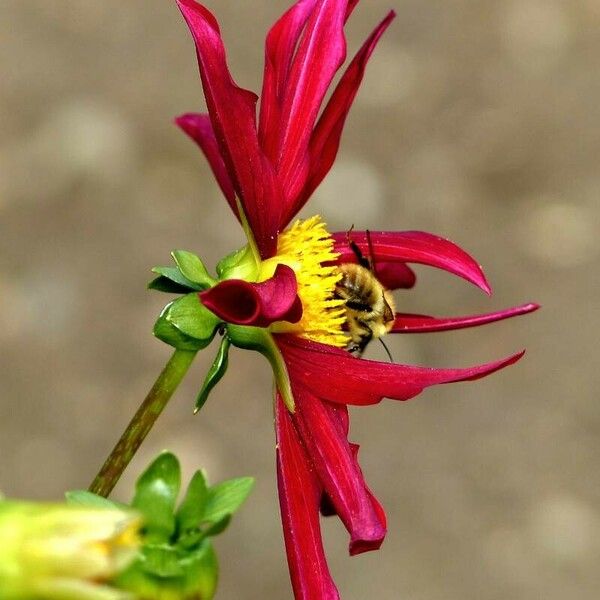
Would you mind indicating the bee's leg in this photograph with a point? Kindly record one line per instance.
(365, 338)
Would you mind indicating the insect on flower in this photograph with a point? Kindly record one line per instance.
(297, 293)
(369, 306)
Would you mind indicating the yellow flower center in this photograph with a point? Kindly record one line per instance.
(305, 247)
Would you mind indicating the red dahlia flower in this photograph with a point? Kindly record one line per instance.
(277, 295)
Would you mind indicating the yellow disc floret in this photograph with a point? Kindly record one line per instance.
(307, 247)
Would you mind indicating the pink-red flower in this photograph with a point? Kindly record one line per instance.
(276, 295)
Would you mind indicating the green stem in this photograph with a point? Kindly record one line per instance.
(142, 422)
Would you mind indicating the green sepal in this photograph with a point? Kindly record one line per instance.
(168, 333)
(192, 318)
(174, 275)
(164, 284)
(163, 573)
(215, 373)
(156, 493)
(218, 527)
(192, 269)
(191, 509)
(161, 560)
(238, 265)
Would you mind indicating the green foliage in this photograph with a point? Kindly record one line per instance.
(177, 560)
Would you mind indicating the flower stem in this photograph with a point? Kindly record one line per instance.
(142, 422)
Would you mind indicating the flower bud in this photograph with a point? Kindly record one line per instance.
(53, 551)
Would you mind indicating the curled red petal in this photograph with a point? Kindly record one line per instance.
(337, 376)
(409, 323)
(256, 304)
(281, 43)
(413, 247)
(232, 112)
(199, 128)
(299, 496)
(321, 51)
(336, 467)
(325, 140)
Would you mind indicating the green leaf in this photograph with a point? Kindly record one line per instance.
(90, 500)
(225, 498)
(168, 333)
(238, 265)
(191, 509)
(174, 274)
(192, 318)
(215, 373)
(156, 493)
(192, 268)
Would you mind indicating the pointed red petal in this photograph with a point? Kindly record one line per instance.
(321, 51)
(335, 375)
(281, 43)
(408, 323)
(337, 469)
(199, 128)
(299, 495)
(256, 304)
(351, 6)
(233, 115)
(413, 247)
(376, 504)
(325, 139)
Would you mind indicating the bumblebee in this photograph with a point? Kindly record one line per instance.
(369, 306)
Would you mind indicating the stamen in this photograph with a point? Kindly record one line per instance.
(306, 247)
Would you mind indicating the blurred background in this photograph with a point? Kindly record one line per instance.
(478, 121)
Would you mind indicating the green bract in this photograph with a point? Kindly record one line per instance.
(186, 324)
(177, 560)
(188, 274)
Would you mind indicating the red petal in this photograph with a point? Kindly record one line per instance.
(407, 323)
(321, 51)
(351, 6)
(257, 304)
(299, 495)
(337, 376)
(233, 115)
(376, 505)
(325, 139)
(282, 41)
(394, 276)
(338, 471)
(413, 247)
(199, 128)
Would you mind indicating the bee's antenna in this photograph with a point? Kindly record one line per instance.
(362, 261)
(371, 255)
(387, 350)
